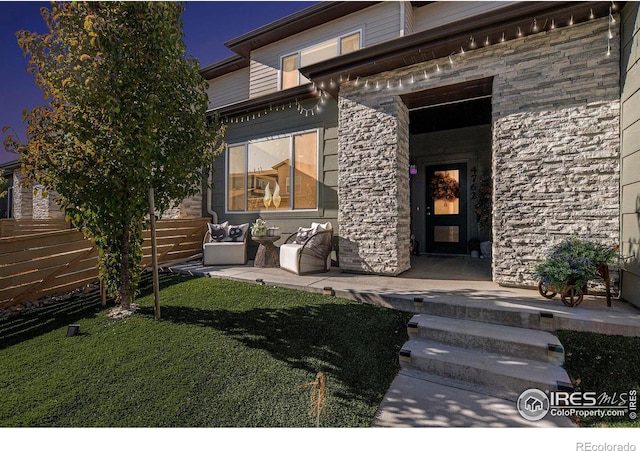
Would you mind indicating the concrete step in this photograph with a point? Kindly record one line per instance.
(529, 318)
(493, 338)
(504, 376)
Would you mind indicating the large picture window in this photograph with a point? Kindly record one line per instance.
(291, 77)
(279, 173)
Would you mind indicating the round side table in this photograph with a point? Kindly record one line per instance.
(267, 255)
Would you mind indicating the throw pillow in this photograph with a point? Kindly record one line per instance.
(217, 232)
(304, 234)
(322, 226)
(236, 233)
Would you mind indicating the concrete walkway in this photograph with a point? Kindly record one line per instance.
(432, 280)
(416, 400)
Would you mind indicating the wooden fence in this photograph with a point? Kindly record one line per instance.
(15, 227)
(37, 265)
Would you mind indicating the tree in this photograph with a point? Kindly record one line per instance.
(125, 112)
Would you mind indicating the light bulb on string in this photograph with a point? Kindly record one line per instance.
(486, 41)
(571, 20)
(437, 67)
(534, 28)
(591, 15)
(519, 32)
(450, 60)
(425, 74)
(473, 42)
(461, 51)
(502, 39)
(553, 24)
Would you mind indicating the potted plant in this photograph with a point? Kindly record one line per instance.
(259, 228)
(568, 267)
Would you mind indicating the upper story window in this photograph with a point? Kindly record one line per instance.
(291, 77)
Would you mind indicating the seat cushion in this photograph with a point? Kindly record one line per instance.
(289, 255)
(224, 253)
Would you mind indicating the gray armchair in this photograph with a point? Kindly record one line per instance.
(308, 250)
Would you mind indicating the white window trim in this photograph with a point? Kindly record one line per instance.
(299, 53)
(245, 144)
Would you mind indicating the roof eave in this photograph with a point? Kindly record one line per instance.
(228, 65)
(442, 41)
(310, 17)
(266, 102)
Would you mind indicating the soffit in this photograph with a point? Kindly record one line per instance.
(449, 94)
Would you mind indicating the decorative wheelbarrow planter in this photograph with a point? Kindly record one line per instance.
(571, 295)
(570, 265)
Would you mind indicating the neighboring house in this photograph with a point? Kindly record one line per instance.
(26, 200)
(335, 105)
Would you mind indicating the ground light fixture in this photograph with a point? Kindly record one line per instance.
(72, 330)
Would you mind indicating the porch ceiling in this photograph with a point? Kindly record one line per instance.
(449, 94)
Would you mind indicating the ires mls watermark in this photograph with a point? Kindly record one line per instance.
(534, 404)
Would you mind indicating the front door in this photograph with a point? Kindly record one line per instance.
(447, 209)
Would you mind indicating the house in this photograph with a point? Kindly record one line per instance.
(510, 123)
(370, 114)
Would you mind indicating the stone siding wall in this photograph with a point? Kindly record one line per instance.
(22, 197)
(555, 148)
(27, 205)
(190, 207)
(373, 184)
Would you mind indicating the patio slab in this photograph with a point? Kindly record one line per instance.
(399, 292)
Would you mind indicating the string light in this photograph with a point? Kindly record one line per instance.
(411, 78)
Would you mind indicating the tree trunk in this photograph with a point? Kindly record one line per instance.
(125, 276)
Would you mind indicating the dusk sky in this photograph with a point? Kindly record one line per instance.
(207, 26)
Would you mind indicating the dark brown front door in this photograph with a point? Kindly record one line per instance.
(447, 208)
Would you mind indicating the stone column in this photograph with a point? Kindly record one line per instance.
(373, 183)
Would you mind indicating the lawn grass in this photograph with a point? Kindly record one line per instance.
(602, 364)
(224, 354)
